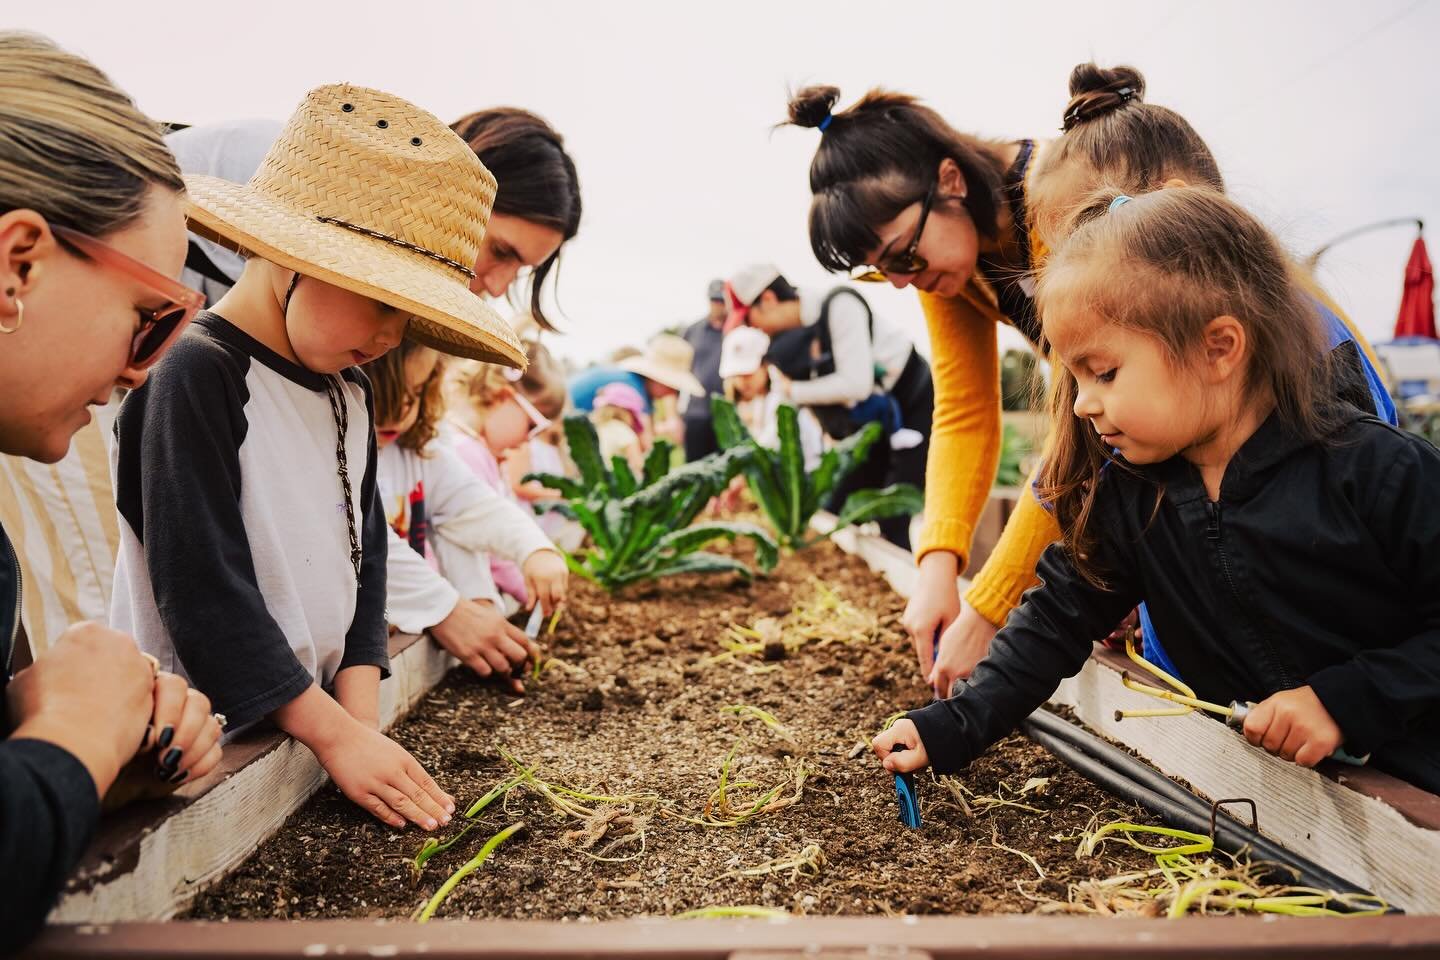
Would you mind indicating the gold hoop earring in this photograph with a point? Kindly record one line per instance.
(19, 317)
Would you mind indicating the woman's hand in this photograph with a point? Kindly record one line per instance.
(184, 735)
(933, 607)
(92, 694)
(963, 644)
(900, 749)
(547, 579)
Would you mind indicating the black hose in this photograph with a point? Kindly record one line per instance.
(1128, 778)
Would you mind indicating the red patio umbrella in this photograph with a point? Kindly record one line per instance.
(1417, 303)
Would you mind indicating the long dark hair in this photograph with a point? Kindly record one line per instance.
(877, 158)
(1167, 263)
(537, 178)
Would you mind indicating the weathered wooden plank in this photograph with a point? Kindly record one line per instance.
(148, 867)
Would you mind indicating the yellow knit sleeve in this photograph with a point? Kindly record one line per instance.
(1010, 570)
(965, 437)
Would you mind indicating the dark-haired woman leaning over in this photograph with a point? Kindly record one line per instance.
(901, 196)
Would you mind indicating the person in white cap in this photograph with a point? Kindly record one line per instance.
(849, 367)
(747, 381)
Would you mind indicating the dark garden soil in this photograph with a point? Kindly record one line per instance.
(629, 708)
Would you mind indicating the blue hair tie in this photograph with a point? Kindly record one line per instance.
(1119, 201)
(825, 124)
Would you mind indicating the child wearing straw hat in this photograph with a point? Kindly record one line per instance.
(253, 547)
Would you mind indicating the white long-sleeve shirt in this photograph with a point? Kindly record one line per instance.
(855, 355)
(435, 504)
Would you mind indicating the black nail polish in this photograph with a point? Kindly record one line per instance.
(167, 734)
(171, 760)
(180, 776)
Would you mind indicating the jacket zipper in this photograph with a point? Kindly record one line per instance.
(1213, 534)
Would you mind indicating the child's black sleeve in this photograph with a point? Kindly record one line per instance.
(1046, 639)
(366, 640)
(1378, 693)
(178, 487)
(48, 810)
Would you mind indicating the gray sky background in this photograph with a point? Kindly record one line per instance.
(1323, 115)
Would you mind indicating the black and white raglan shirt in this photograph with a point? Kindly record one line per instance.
(234, 567)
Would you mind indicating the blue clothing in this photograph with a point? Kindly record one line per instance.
(588, 382)
(1337, 334)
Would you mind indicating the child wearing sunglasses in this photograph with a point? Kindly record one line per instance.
(487, 417)
(451, 528)
(253, 542)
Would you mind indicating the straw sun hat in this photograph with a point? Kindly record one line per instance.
(667, 359)
(371, 194)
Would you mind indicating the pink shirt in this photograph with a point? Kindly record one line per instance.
(477, 456)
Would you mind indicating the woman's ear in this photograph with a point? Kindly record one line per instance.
(25, 242)
(952, 179)
(1226, 346)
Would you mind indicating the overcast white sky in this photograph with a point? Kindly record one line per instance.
(1323, 115)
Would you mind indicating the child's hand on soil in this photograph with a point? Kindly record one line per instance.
(480, 637)
(378, 774)
(546, 580)
(1294, 724)
(901, 733)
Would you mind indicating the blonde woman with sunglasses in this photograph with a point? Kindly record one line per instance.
(92, 236)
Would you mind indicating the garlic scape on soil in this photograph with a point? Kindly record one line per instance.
(788, 495)
(640, 527)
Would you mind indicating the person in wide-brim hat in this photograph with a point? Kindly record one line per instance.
(373, 195)
(666, 361)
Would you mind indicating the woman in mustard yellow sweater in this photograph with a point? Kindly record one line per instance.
(900, 196)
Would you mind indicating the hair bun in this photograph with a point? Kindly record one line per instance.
(1096, 90)
(810, 106)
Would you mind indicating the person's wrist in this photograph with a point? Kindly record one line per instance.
(100, 760)
(940, 565)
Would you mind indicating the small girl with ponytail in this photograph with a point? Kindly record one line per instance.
(1285, 542)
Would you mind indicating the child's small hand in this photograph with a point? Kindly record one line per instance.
(1294, 724)
(480, 637)
(378, 774)
(546, 580)
(908, 760)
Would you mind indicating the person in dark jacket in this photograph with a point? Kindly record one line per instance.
(92, 235)
(706, 336)
(1288, 546)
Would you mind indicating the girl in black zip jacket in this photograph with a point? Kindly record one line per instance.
(1288, 546)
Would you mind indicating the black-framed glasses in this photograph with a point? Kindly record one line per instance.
(906, 263)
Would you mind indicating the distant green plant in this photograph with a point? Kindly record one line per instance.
(1014, 449)
(788, 495)
(640, 527)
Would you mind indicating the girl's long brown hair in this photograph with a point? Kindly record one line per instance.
(1166, 264)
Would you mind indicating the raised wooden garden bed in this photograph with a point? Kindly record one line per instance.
(659, 728)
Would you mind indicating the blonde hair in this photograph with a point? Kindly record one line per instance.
(478, 385)
(544, 382)
(73, 147)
